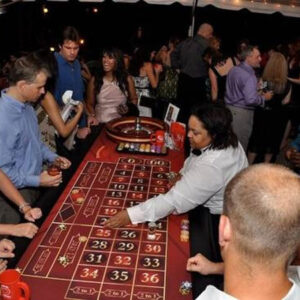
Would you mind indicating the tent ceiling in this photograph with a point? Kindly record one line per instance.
(286, 7)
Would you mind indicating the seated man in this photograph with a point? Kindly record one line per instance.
(259, 235)
(22, 153)
(30, 214)
(200, 185)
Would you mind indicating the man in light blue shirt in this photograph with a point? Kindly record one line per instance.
(22, 153)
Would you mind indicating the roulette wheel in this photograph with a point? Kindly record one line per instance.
(134, 129)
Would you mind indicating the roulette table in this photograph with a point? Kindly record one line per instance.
(74, 256)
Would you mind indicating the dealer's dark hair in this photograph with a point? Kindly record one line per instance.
(217, 119)
(69, 34)
(26, 68)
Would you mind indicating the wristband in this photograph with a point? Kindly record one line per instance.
(21, 207)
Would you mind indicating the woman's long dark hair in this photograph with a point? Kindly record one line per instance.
(120, 73)
(217, 120)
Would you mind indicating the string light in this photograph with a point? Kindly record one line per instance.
(45, 9)
(95, 10)
(81, 41)
(52, 49)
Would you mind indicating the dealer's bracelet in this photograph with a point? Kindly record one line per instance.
(21, 207)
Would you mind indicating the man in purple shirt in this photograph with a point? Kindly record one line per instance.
(241, 94)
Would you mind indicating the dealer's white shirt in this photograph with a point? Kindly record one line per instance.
(203, 181)
(212, 293)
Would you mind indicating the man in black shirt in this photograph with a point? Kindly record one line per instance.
(187, 57)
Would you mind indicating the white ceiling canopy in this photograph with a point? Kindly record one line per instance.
(289, 8)
(286, 7)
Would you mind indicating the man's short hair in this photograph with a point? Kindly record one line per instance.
(26, 68)
(69, 34)
(246, 51)
(263, 205)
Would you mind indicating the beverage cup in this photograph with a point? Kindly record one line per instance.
(53, 170)
(12, 287)
(158, 138)
(178, 132)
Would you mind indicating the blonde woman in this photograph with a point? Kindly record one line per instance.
(270, 122)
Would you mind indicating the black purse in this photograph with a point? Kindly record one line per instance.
(148, 101)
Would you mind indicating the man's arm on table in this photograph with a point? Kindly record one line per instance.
(193, 189)
(9, 190)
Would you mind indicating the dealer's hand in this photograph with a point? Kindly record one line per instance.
(119, 220)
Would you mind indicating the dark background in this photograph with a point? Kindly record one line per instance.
(25, 27)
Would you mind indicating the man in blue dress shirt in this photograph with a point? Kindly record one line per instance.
(242, 95)
(22, 153)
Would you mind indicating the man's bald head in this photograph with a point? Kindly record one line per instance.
(205, 30)
(263, 205)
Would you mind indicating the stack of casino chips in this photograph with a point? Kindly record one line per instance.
(184, 230)
(151, 231)
(142, 148)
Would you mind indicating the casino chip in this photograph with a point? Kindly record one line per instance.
(184, 231)
(185, 288)
(82, 239)
(63, 260)
(62, 227)
(171, 175)
(80, 200)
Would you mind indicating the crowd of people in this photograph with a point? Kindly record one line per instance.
(236, 108)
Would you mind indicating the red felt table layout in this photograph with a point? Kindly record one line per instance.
(74, 256)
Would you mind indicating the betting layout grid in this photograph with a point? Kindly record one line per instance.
(103, 263)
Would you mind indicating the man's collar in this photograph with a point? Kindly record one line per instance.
(12, 101)
(246, 67)
(63, 60)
